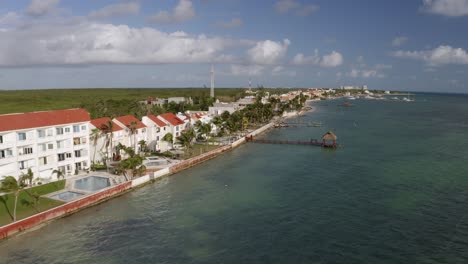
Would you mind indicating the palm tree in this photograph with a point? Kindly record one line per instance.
(109, 136)
(10, 184)
(95, 135)
(142, 145)
(28, 177)
(168, 138)
(133, 130)
(206, 130)
(186, 138)
(133, 164)
(59, 173)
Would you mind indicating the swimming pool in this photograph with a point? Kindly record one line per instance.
(66, 196)
(92, 183)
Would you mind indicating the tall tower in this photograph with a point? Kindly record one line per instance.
(250, 85)
(212, 81)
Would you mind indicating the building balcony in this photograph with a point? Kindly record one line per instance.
(25, 142)
(7, 160)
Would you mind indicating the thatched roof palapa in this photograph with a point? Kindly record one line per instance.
(329, 136)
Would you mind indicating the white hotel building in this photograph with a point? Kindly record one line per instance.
(44, 141)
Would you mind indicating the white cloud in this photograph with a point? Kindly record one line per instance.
(307, 10)
(366, 73)
(41, 7)
(95, 43)
(268, 52)
(398, 41)
(285, 6)
(233, 23)
(439, 56)
(452, 8)
(333, 59)
(10, 18)
(362, 70)
(182, 12)
(119, 9)
(281, 71)
(247, 70)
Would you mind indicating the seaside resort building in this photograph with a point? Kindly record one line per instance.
(43, 142)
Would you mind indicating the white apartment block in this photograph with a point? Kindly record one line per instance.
(102, 148)
(176, 126)
(43, 142)
(156, 130)
(126, 122)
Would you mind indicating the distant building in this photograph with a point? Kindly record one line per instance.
(219, 108)
(43, 142)
(363, 87)
(161, 101)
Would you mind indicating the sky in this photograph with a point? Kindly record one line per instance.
(409, 45)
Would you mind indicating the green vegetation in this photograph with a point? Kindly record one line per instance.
(113, 102)
(29, 201)
(122, 101)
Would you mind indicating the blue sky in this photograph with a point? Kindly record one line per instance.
(418, 45)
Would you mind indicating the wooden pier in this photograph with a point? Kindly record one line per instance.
(325, 143)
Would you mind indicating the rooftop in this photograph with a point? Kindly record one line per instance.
(128, 120)
(18, 121)
(103, 124)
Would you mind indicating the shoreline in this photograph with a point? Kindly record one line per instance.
(39, 220)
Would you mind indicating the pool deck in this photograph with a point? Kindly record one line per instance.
(70, 182)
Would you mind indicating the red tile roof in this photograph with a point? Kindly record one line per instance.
(42, 119)
(102, 124)
(128, 119)
(171, 118)
(156, 120)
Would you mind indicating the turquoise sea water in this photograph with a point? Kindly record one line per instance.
(395, 192)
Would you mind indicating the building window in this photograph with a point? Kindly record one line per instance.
(22, 136)
(22, 165)
(83, 127)
(77, 153)
(59, 130)
(43, 161)
(6, 153)
(50, 146)
(41, 133)
(42, 147)
(1, 139)
(67, 130)
(50, 132)
(26, 151)
(76, 129)
(61, 156)
(69, 155)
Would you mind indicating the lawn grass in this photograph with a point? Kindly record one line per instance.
(198, 149)
(24, 208)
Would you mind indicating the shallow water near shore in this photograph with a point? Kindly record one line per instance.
(396, 191)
